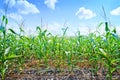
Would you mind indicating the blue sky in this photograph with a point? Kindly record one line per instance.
(78, 15)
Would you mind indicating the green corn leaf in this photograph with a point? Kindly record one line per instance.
(21, 30)
(49, 34)
(114, 30)
(103, 51)
(6, 21)
(115, 35)
(3, 18)
(100, 24)
(13, 31)
(6, 51)
(12, 56)
(38, 28)
(93, 59)
(3, 70)
(64, 30)
(104, 55)
(115, 61)
(45, 31)
(2, 28)
(118, 67)
(106, 27)
(107, 76)
(113, 69)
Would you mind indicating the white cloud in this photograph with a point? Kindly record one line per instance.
(11, 3)
(25, 7)
(15, 16)
(115, 11)
(84, 13)
(50, 3)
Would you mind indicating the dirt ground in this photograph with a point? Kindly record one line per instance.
(33, 71)
(56, 74)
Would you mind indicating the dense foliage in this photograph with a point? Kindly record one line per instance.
(93, 50)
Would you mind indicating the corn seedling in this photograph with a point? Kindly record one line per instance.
(109, 62)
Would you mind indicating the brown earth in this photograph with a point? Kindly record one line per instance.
(37, 70)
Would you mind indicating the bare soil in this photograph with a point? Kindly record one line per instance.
(34, 70)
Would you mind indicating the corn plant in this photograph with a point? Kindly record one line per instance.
(5, 56)
(110, 62)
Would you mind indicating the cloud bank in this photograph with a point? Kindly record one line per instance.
(84, 13)
(50, 4)
(115, 11)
